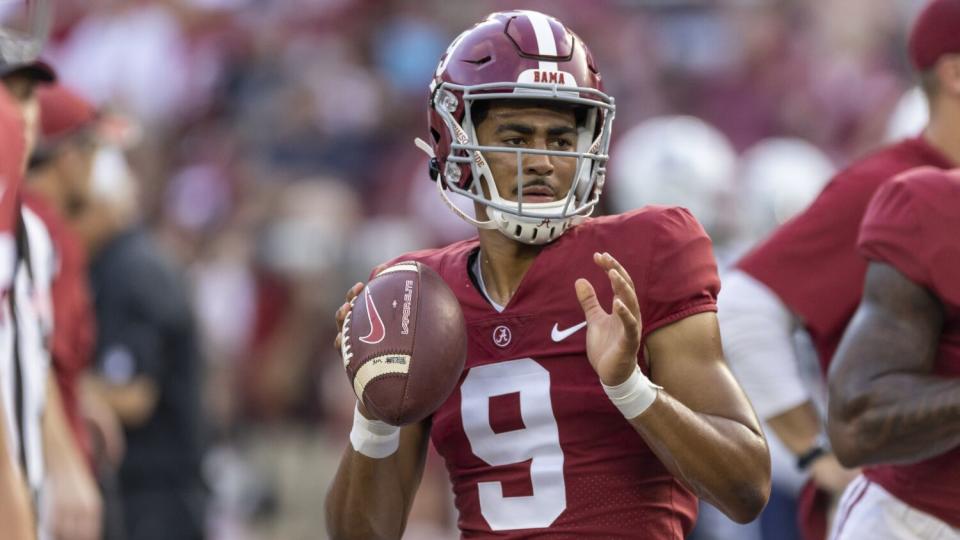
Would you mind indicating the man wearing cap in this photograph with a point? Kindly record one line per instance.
(40, 436)
(809, 276)
(56, 190)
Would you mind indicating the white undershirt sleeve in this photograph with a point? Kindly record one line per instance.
(757, 331)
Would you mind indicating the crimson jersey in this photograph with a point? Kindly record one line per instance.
(912, 224)
(811, 262)
(533, 446)
(73, 326)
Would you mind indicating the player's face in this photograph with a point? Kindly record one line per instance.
(530, 126)
(75, 165)
(22, 88)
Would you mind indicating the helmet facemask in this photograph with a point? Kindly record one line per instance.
(530, 223)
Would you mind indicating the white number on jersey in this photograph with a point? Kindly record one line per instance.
(538, 441)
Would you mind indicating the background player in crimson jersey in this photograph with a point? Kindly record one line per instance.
(809, 275)
(895, 380)
(554, 431)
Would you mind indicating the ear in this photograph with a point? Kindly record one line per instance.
(948, 73)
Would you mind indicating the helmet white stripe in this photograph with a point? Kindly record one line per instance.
(546, 42)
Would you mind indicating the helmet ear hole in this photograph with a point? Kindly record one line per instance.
(435, 134)
(434, 167)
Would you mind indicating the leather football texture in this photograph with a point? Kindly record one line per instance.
(404, 343)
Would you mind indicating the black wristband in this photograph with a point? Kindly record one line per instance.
(807, 458)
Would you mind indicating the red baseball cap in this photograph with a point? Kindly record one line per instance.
(63, 112)
(935, 33)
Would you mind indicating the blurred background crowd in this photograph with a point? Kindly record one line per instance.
(271, 145)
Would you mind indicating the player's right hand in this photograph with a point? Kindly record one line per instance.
(342, 313)
(613, 339)
(341, 316)
(828, 474)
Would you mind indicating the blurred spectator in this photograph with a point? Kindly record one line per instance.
(677, 161)
(779, 177)
(909, 117)
(149, 367)
(55, 191)
(141, 40)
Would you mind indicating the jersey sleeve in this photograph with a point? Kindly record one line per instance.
(811, 262)
(681, 278)
(911, 224)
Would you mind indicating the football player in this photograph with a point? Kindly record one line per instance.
(895, 380)
(809, 275)
(595, 401)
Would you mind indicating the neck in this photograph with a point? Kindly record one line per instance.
(503, 263)
(943, 131)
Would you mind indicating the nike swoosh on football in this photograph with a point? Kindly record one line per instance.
(377, 330)
(558, 335)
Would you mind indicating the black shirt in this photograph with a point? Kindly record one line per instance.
(146, 328)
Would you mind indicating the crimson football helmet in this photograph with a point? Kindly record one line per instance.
(517, 55)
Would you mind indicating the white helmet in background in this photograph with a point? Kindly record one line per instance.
(780, 177)
(674, 160)
(909, 117)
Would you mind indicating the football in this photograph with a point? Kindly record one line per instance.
(404, 343)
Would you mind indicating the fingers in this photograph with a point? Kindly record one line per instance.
(631, 325)
(623, 291)
(342, 311)
(354, 291)
(588, 299)
(342, 314)
(620, 280)
(606, 261)
(77, 522)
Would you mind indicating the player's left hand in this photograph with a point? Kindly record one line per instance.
(613, 339)
(76, 510)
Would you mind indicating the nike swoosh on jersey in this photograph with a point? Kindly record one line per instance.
(558, 335)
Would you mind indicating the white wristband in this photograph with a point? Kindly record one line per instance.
(634, 395)
(373, 438)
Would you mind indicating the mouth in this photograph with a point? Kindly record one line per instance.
(539, 193)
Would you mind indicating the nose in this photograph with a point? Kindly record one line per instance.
(537, 165)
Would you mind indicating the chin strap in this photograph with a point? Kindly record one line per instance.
(489, 224)
(425, 146)
(427, 149)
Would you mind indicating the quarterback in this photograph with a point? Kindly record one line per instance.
(595, 401)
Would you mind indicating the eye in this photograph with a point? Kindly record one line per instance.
(563, 142)
(513, 141)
